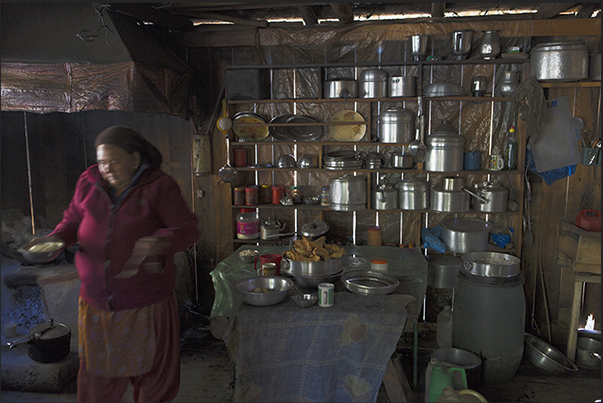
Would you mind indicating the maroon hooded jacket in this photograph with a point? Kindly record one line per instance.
(107, 234)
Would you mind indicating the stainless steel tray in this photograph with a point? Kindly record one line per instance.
(368, 282)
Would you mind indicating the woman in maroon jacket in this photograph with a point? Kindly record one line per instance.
(129, 218)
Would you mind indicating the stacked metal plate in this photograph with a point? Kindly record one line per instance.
(341, 160)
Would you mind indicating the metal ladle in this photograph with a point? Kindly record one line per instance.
(227, 173)
(417, 147)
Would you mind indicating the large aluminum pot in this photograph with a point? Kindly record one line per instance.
(465, 235)
(396, 125)
(414, 194)
(372, 83)
(403, 86)
(385, 198)
(445, 150)
(492, 197)
(442, 270)
(347, 193)
(491, 264)
(449, 196)
(341, 88)
(559, 61)
(312, 269)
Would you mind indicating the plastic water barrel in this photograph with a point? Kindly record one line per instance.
(489, 319)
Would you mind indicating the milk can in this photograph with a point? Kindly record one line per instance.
(385, 197)
(445, 148)
(396, 125)
(489, 319)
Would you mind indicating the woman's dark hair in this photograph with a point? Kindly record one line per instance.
(131, 141)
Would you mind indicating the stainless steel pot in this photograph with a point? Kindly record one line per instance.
(491, 197)
(396, 125)
(449, 196)
(414, 194)
(48, 342)
(491, 264)
(385, 198)
(309, 268)
(559, 61)
(445, 150)
(465, 235)
(341, 88)
(403, 86)
(347, 193)
(400, 160)
(442, 270)
(372, 83)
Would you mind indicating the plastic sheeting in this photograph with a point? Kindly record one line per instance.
(299, 57)
(78, 87)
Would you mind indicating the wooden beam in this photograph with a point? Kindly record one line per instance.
(343, 11)
(308, 15)
(550, 10)
(234, 20)
(437, 10)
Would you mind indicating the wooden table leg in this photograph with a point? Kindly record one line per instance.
(395, 384)
(572, 337)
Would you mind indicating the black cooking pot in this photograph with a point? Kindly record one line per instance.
(48, 342)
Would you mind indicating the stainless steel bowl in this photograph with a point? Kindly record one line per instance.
(248, 255)
(285, 161)
(443, 90)
(305, 300)
(546, 357)
(313, 281)
(308, 161)
(491, 264)
(42, 256)
(368, 282)
(276, 289)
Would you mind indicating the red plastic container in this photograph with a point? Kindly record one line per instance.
(589, 220)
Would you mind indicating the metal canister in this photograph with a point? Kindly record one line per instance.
(445, 149)
(403, 86)
(413, 194)
(396, 125)
(372, 83)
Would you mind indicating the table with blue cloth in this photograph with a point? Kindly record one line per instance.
(284, 353)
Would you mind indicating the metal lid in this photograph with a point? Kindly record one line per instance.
(314, 229)
(374, 75)
(445, 261)
(467, 225)
(445, 129)
(413, 184)
(396, 115)
(557, 46)
(349, 178)
(49, 331)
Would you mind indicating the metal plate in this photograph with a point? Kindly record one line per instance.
(368, 282)
(280, 132)
(303, 133)
(249, 133)
(347, 132)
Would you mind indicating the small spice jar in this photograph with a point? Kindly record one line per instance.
(252, 195)
(374, 237)
(238, 195)
(296, 194)
(265, 194)
(277, 193)
(379, 264)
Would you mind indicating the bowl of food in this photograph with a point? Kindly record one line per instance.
(43, 252)
(264, 290)
(248, 255)
(305, 300)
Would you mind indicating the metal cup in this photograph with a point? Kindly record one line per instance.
(478, 86)
(418, 45)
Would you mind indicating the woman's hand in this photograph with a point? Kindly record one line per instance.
(150, 246)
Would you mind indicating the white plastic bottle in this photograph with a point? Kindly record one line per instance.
(248, 224)
(444, 327)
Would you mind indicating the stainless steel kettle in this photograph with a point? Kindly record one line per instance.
(270, 228)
